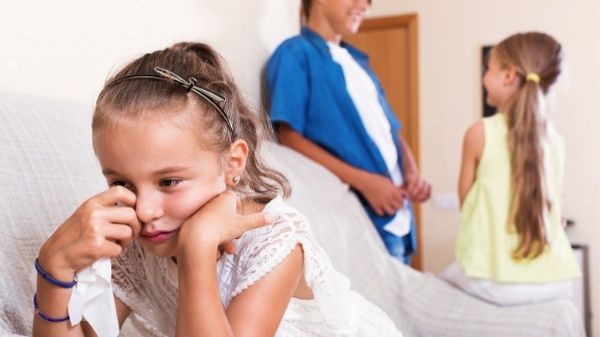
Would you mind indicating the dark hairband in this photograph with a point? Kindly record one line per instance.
(214, 99)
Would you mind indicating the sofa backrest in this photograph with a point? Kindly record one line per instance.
(49, 169)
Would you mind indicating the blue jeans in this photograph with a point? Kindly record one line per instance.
(399, 247)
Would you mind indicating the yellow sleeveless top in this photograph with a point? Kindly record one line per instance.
(486, 240)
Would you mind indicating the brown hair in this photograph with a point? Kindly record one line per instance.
(529, 53)
(142, 98)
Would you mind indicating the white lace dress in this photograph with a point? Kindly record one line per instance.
(148, 284)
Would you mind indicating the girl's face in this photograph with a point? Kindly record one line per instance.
(344, 16)
(499, 82)
(171, 175)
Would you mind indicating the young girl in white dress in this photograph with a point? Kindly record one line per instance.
(202, 243)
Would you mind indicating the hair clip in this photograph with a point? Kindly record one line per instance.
(211, 97)
(533, 77)
(214, 99)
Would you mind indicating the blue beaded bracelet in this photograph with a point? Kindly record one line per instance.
(43, 316)
(51, 279)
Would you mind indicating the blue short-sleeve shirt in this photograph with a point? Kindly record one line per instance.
(307, 91)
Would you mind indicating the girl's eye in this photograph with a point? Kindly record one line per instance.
(117, 183)
(170, 182)
(122, 183)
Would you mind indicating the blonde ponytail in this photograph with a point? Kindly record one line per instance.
(537, 59)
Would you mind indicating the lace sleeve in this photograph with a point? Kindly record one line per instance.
(261, 250)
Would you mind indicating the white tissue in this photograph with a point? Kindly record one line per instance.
(400, 224)
(92, 299)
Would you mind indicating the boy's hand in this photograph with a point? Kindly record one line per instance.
(380, 192)
(417, 188)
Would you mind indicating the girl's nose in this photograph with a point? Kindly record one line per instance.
(148, 206)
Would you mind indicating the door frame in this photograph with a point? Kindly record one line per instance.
(410, 22)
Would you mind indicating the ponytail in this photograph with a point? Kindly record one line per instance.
(526, 136)
(537, 58)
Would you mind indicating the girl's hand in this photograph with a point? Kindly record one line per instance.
(216, 224)
(101, 227)
(384, 197)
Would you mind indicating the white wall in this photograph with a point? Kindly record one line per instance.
(451, 34)
(66, 48)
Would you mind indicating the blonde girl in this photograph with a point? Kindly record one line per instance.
(511, 247)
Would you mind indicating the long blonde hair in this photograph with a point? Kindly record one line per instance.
(537, 59)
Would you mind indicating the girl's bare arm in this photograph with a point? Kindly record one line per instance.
(472, 150)
(255, 312)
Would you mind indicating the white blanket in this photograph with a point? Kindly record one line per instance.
(48, 169)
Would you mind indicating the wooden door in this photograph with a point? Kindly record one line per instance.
(392, 46)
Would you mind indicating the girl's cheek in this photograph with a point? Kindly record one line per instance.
(185, 205)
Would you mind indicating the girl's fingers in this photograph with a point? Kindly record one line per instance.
(110, 249)
(121, 234)
(116, 195)
(256, 220)
(117, 216)
(229, 247)
(124, 215)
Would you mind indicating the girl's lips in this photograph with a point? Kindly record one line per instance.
(158, 237)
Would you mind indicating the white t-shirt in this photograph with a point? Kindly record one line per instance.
(364, 94)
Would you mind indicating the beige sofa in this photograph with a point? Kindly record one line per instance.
(48, 169)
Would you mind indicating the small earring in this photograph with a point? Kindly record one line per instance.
(235, 180)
